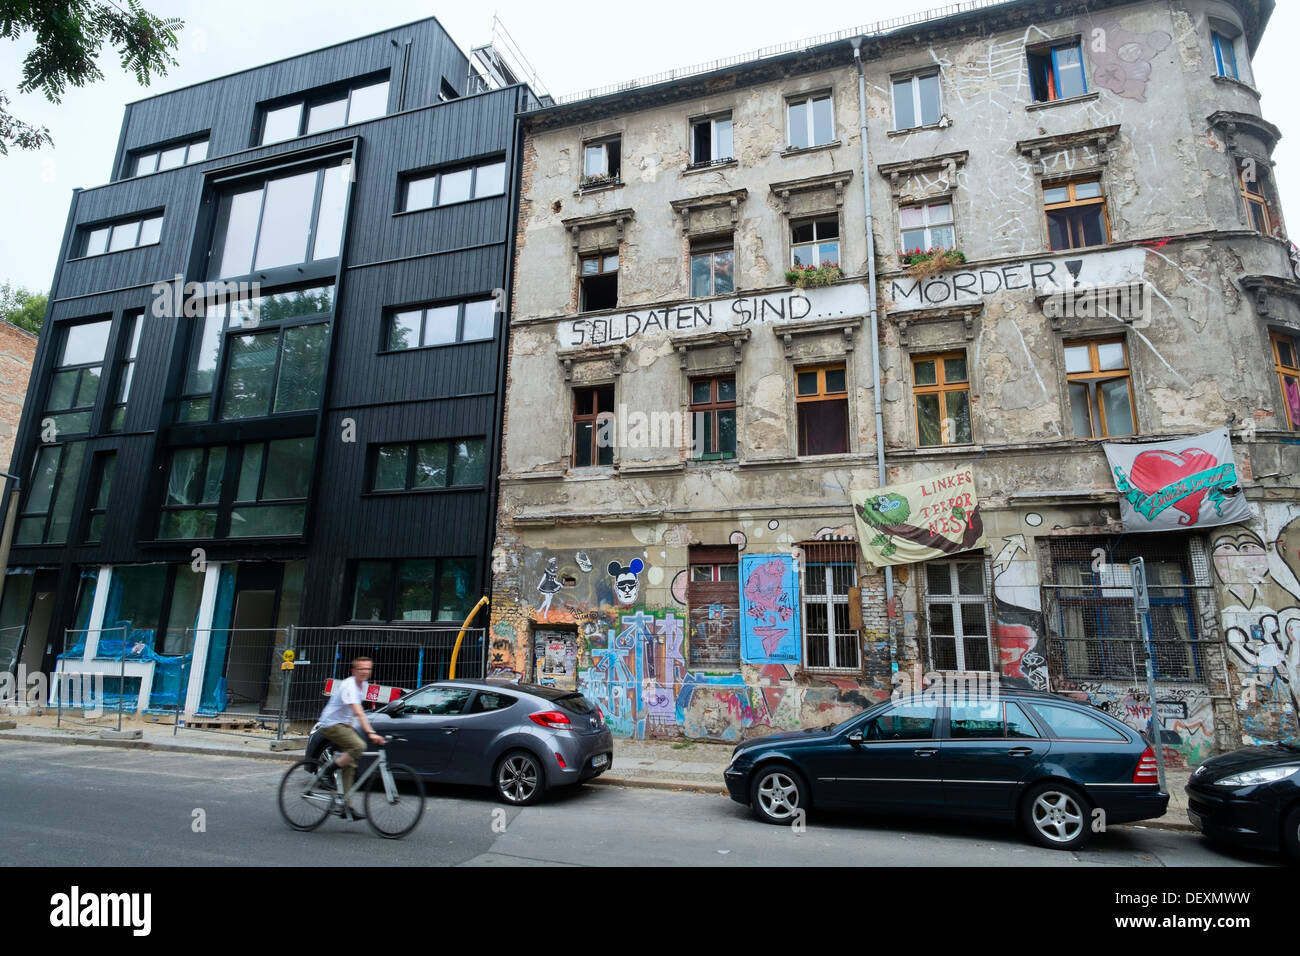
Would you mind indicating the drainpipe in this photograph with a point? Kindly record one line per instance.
(875, 333)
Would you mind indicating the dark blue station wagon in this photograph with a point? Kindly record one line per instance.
(1046, 761)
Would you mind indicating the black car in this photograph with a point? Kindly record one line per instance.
(1049, 762)
(1250, 798)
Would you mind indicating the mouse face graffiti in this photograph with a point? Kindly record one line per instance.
(626, 583)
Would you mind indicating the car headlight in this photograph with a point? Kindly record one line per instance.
(1252, 777)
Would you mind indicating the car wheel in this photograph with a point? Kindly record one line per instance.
(778, 794)
(1291, 834)
(1055, 815)
(518, 779)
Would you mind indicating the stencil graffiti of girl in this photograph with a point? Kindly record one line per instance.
(549, 585)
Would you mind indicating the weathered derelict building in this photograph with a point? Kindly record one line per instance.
(685, 429)
(267, 393)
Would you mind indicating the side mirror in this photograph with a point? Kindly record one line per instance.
(393, 709)
(855, 738)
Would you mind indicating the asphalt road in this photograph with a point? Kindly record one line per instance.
(91, 806)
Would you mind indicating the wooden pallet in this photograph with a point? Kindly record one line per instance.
(220, 723)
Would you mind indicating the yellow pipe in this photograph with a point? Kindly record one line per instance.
(461, 636)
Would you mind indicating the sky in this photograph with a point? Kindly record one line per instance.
(571, 46)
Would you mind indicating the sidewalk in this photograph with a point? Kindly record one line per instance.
(657, 764)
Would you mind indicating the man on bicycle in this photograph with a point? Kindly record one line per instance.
(337, 720)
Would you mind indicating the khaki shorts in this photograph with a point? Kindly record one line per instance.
(344, 738)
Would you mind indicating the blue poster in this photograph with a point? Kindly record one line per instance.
(769, 609)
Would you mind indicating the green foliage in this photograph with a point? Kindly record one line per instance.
(22, 308)
(813, 277)
(69, 35)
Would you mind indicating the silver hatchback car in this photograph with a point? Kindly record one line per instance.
(519, 739)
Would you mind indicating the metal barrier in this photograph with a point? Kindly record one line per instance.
(242, 688)
(90, 663)
(405, 658)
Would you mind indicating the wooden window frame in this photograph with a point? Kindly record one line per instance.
(1252, 194)
(1095, 376)
(1053, 80)
(606, 177)
(599, 258)
(712, 122)
(594, 420)
(1219, 40)
(1284, 371)
(816, 243)
(711, 408)
(1075, 203)
(928, 225)
(822, 395)
(955, 599)
(711, 248)
(941, 388)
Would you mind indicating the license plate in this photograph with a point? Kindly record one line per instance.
(600, 760)
(1196, 819)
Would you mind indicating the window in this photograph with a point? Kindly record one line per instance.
(74, 384)
(194, 480)
(1101, 393)
(1286, 362)
(916, 101)
(215, 337)
(414, 466)
(437, 701)
(830, 581)
(281, 222)
(1076, 214)
(1225, 55)
(321, 111)
(271, 498)
(1056, 73)
(134, 323)
(903, 722)
(713, 418)
(815, 242)
(122, 235)
(989, 719)
(941, 386)
(443, 324)
(713, 268)
(1252, 191)
(591, 440)
(106, 467)
(927, 226)
(447, 92)
(957, 616)
(713, 596)
(429, 589)
(823, 404)
(155, 159)
(810, 121)
(47, 513)
(1065, 722)
(277, 371)
(711, 141)
(1089, 610)
(598, 282)
(601, 162)
(452, 186)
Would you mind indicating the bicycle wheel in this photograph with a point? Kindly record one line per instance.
(395, 817)
(305, 799)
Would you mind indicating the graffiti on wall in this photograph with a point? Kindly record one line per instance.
(769, 609)
(1018, 606)
(1261, 622)
(1121, 59)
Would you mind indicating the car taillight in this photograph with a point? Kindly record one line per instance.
(600, 715)
(559, 758)
(552, 719)
(1146, 768)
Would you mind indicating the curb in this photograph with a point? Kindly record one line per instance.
(283, 756)
(657, 783)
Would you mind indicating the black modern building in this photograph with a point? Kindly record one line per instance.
(268, 392)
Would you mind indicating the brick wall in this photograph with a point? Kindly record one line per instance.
(17, 353)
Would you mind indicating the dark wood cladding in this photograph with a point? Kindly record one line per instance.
(389, 259)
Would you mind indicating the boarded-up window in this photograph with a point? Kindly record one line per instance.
(713, 593)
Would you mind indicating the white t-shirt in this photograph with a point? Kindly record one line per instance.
(339, 709)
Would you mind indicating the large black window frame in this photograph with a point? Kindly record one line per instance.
(322, 109)
(419, 190)
(128, 353)
(434, 324)
(435, 465)
(253, 490)
(120, 234)
(48, 508)
(105, 467)
(269, 226)
(77, 378)
(400, 591)
(161, 157)
(221, 340)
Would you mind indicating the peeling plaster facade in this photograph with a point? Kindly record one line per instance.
(1164, 137)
